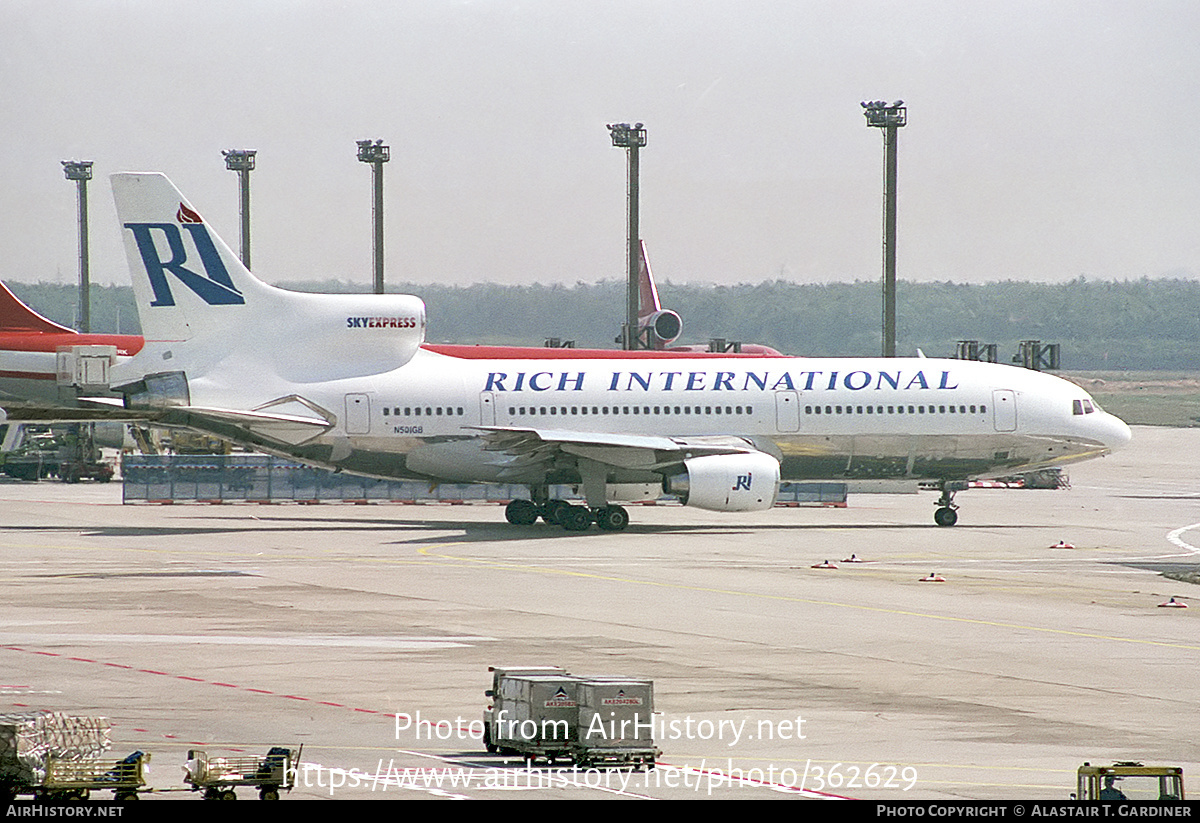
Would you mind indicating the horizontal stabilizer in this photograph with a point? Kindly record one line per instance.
(281, 428)
(287, 429)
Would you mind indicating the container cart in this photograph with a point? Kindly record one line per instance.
(217, 777)
(616, 723)
(77, 779)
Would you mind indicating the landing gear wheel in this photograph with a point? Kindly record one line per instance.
(945, 516)
(553, 511)
(521, 513)
(612, 518)
(575, 519)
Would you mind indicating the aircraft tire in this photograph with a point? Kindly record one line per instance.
(945, 516)
(521, 512)
(612, 518)
(553, 511)
(575, 518)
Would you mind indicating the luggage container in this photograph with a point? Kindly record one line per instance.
(616, 723)
(535, 716)
(490, 713)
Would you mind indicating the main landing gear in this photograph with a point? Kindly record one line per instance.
(947, 514)
(571, 517)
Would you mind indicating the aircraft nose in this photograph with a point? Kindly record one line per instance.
(1116, 433)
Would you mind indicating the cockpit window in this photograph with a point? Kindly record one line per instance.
(1082, 407)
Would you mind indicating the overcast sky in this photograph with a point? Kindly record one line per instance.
(1046, 139)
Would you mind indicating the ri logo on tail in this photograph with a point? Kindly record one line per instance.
(214, 287)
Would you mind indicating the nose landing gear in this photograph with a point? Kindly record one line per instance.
(947, 514)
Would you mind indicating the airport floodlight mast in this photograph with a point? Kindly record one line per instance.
(631, 138)
(81, 171)
(880, 115)
(375, 153)
(242, 161)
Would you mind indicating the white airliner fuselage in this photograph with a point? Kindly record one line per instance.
(347, 381)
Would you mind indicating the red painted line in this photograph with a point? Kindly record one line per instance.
(192, 680)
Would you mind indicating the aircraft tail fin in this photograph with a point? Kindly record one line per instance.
(660, 327)
(648, 302)
(15, 316)
(192, 289)
(185, 279)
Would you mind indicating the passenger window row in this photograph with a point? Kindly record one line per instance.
(963, 409)
(427, 411)
(525, 411)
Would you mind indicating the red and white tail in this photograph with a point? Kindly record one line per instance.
(16, 317)
(662, 327)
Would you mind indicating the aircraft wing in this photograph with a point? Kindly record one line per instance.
(33, 413)
(529, 448)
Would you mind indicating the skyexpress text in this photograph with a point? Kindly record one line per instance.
(668, 381)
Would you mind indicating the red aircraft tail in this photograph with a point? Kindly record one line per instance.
(15, 316)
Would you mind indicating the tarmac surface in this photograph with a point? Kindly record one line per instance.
(238, 627)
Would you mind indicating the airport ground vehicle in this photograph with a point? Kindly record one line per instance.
(67, 779)
(68, 452)
(546, 714)
(499, 673)
(217, 777)
(1129, 781)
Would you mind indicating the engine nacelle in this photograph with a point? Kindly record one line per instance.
(161, 390)
(332, 336)
(664, 326)
(727, 482)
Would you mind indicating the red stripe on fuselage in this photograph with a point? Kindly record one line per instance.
(530, 353)
(127, 344)
(28, 375)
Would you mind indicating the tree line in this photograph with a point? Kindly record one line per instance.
(1120, 325)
